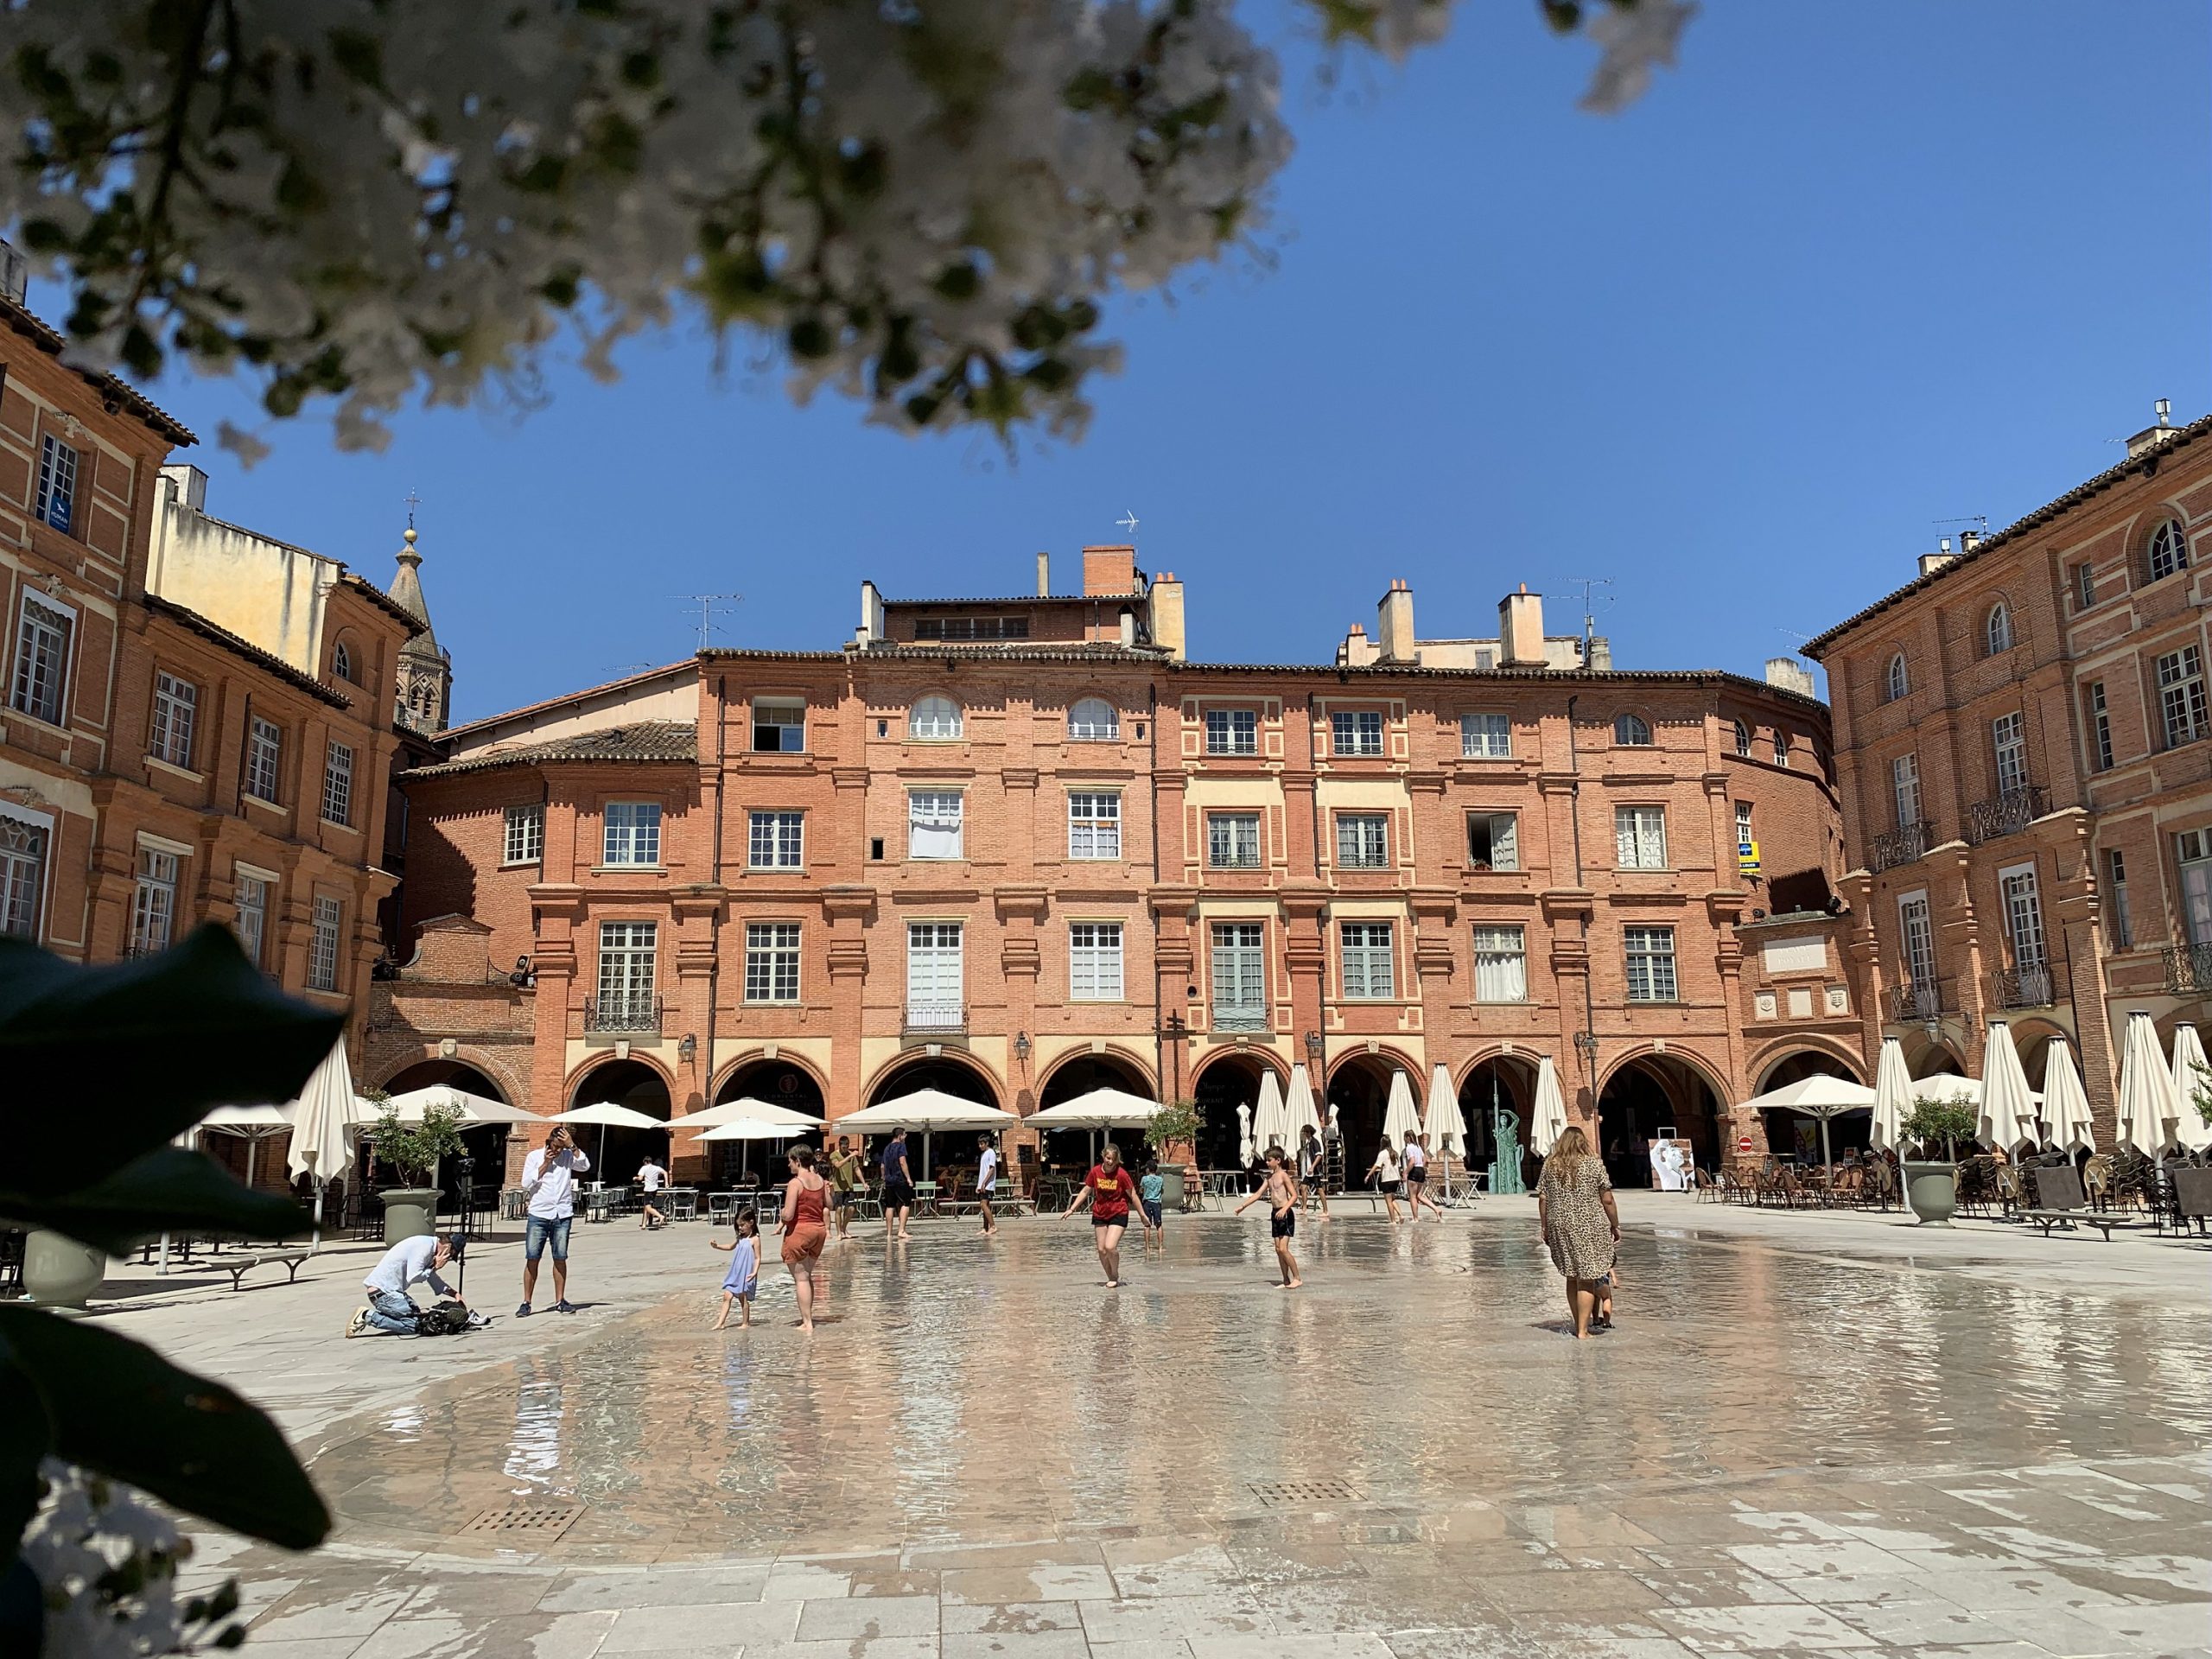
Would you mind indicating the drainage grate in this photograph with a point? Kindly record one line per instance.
(1283, 1494)
(541, 1522)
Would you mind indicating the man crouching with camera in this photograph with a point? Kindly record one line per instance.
(391, 1309)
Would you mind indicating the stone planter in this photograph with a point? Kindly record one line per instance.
(1932, 1190)
(58, 1271)
(410, 1212)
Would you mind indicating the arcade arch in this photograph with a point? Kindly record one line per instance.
(486, 1142)
(616, 1153)
(1359, 1094)
(1796, 1134)
(1078, 1074)
(777, 1083)
(1503, 1083)
(1651, 1092)
(1225, 1080)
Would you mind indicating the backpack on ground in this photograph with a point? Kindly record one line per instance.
(446, 1318)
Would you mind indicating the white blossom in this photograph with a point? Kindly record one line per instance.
(106, 1560)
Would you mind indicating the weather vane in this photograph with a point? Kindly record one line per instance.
(413, 501)
(1128, 521)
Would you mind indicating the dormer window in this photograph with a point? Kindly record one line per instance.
(1632, 731)
(935, 720)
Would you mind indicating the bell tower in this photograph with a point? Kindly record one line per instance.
(423, 697)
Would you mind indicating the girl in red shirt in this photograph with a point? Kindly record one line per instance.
(1110, 1192)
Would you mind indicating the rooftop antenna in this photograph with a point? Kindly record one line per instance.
(1589, 585)
(706, 602)
(1128, 521)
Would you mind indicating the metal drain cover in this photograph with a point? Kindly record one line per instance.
(540, 1523)
(1284, 1494)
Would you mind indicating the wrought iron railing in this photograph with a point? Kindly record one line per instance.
(937, 1016)
(1235, 1017)
(2006, 814)
(2189, 968)
(622, 1011)
(2024, 987)
(1903, 844)
(1922, 1001)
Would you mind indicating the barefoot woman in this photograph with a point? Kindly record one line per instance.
(1575, 1214)
(1109, 1192)
(806, 1203)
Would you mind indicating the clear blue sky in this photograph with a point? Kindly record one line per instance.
(1850, 270)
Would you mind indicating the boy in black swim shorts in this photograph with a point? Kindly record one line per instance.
(1281, 1191)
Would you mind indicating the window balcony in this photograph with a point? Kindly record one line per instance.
(623, 1011)
(2006, 814)
(2189, 969)
(1918, 1002)
(1233, 1018)
(1903, 845)
(2030, 987)
(936, 1017)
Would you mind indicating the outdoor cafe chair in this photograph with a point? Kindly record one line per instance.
(721, 1207)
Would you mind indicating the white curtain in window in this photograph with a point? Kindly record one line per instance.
(933, 825)
(1501, 965)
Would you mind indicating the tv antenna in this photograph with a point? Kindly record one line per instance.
(1589, 585)
(1128, 521)
(707, 602)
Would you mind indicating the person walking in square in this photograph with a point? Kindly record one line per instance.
(1417, 1177)
(549, 1183)
(986, 1181)
(848, 1182)
(897, 1186)
(1109, 1192)
(1579, 1225)
(742, 1282)
(1384, 1173)
(1312, 1156)
(1281, 1191)
(652, 1210)
(806, 1210)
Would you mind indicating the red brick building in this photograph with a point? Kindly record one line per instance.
(1016, 847)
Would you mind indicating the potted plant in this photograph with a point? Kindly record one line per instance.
(413, 1151)
(1173, 1132)
(1932, 1188)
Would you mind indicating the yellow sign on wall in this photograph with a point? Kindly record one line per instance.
(1747, 857)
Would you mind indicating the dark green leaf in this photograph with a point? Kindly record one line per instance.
(119, 1408)
(170, 1191)
(103, 1065)
(24, 1434)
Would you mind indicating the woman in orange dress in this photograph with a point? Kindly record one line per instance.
(806, 1206)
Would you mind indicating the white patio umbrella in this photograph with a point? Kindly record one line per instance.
(323, 1137)
(1548, 1114)
(1892, 1098)
(252, 1124)
(1819, 1097)
(928, 1111)
(1400, 1119)
(608, 1115)
(2007, 1110)
(2190, 1072)
(1445, 1130)
(750, 1128)
(1298, 1106)
(2065, 1103)
(473, 1110)
(1271, 1121)
(745, 1108)
(1245, 1135)
(2147, 1103)
(1102, 1109)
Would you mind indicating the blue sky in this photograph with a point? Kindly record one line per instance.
(1850, 271)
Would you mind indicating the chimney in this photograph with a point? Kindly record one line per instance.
(2152, 437)
(1931, 563)
(1394, 624)
(1789, 674)
(871, 629)
(1969, 540)
(1109, 570)
(1043, 575)
(1164, 610)
(1521, 630)
(189, 483)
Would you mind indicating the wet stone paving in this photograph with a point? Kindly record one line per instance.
(983, 1452)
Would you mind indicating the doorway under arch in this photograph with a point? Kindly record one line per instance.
(1223, 1082)
(1359, 1094)
(486, 1142)
(778, 1083)
(1504, 1082)
(1797, 1135)
(958, 1079)
(1927, 1059)
(1080, 1076)
(616, 1153)
(1647, 1094)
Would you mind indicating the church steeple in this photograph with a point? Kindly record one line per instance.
(423, 697)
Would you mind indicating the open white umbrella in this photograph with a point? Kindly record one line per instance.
(745, 1108)
(2065, 1103)
(928, 1111)
(750, 1128)
(1102, 1109)
(1400, 1119)
(1271, 1123)
(1549, 1114)
(2147, 1103)
(608, 1115)
(2190, 1073)
(1819, 1097)
(2007, 1109)
(1893, 1098)
(473, 1110)
(252, 1124)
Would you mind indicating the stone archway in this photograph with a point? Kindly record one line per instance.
(1646, 1095)
(1937, 1059)
(1225, 1080)
(961, 1078)
(780, 1083)
(1359, 1094)
(486, 1142)
(616, 1153)
(1079, 1074)
(1794, 1133)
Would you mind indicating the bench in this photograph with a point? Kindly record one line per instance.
(292, 1261)
(2061, 1204)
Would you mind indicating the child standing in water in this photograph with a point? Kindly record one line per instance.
(1152, 1197)
(743, 1279)
(1281, 1191)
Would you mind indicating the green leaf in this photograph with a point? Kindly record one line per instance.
(170, 1191)
(24, 1439)
(119, 1407)
(105, 1064)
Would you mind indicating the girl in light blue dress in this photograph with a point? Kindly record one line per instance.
(743, 1278)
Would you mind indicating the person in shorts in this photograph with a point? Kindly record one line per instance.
(1311, 1157)
(848, 1181)
(1384, 1173)
(652, 1208)
(1281, 1191)
(1111, 1194)
(898, 1187)
(1152, 1198)
(1417, 1177)
(549, 1182)
(986, 1181)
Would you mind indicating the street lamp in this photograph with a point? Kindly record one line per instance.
(1585, 1045)
(1021, 1045)
(1313, 1044)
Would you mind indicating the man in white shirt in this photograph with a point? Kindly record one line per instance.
(549, 1182)
(986, 1181)
(410, 1261)
(652, 1211)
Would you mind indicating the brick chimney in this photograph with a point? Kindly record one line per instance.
(1521, 630)
(1394, 624)
(1164, 609)
(1043, 575)
(1109, 570)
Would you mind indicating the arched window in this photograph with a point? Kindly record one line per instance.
(1633, 731)
(934, 720)
(1094, 720)
(1743, 737)
(1997, 632)
(1897, 681)
(1781, 747)
(341, 663)
(2169, 550)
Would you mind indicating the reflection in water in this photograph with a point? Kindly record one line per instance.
(965, 1391)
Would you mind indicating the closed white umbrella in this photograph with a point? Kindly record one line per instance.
(1244, 1134)
(2147, 1103)
(2065, 1103)
(1298, 1106)
(323, 1135)
(1892, 1098)
(2191, 1074)
(1400, 1119)
(2007, 1109)
(1445, 1130)
(1549, 1112)
(1271, 1123)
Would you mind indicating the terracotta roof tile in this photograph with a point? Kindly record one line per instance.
(650, 742)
